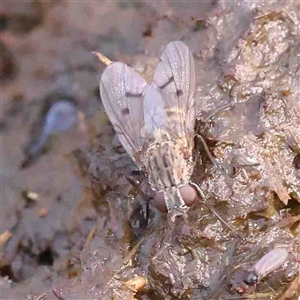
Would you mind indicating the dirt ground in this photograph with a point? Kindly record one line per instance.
(73, 227)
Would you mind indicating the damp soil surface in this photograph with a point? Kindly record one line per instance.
(74, 227)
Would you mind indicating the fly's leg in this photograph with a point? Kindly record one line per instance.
(212, 210)
(145, 197)
(205, 120)
(216, 111)
(136, 173)
(137, 187)
(135, 177)
(213, 161)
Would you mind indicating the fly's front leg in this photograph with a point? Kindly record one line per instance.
(212, 210)
(137, 187)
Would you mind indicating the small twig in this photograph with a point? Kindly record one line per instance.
(41, 297)
(136, 284)
(254, 296)
(4, 237)
(127, 259)
(59, 297)
(105, 60)
(131, 254)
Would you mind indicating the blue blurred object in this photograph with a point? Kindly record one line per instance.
(61, 116)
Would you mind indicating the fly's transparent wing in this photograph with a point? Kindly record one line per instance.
(121, 90)
(155, 112)
(175, 79)
(271, 261)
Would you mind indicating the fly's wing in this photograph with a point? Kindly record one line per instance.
(121, 90)
(270, 262)
(175, 79)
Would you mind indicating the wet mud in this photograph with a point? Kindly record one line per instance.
(77, 218)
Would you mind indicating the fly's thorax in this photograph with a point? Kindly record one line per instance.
(166, 165)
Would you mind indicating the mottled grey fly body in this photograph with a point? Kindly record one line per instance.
(155, 123)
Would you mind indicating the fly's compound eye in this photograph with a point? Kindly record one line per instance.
(187, 193)
(251, 279)
(159, 202)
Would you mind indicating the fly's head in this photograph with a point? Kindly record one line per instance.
(175, 200)
(169, 173)
(252, 278)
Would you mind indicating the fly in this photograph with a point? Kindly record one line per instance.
(155, 123)
(267, 264)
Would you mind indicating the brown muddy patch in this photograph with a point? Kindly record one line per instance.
(73, 227)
